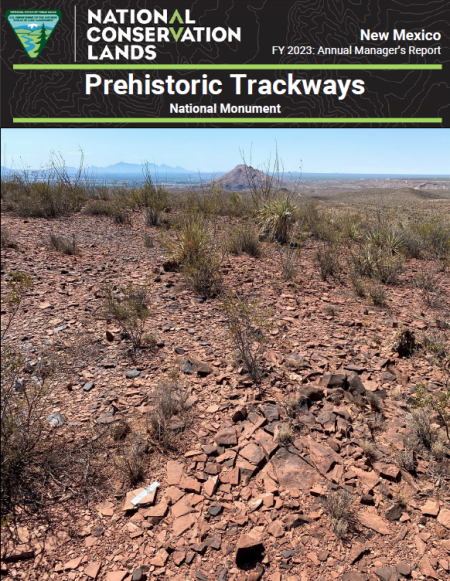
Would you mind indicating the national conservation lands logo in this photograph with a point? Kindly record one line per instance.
(33, 28)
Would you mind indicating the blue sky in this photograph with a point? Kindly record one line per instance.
(402, 151)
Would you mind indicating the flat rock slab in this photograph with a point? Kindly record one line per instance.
(293, 472)
(374, 522)
(116, 575)
(183, 523)
(175, 472)
(92, 569)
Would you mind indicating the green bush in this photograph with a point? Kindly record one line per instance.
(276, 219)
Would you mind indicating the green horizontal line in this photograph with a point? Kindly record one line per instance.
(209, 67)
(228, 120)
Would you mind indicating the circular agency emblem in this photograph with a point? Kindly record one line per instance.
(33, 28)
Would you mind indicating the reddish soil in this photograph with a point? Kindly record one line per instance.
(233, 502)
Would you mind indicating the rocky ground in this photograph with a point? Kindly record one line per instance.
(235, 501)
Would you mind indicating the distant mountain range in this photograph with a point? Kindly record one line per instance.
(122, 168)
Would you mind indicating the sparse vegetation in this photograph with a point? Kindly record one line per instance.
(65, 245)
(338, 507)
(7, 239)
(284, 433)
(128, 307)
(129, 459)
(328, 261)
(169, 400)
(243, 239)
(247, 327)
(289, 257)
(276, 219)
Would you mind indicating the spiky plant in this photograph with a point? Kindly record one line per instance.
(276, 219)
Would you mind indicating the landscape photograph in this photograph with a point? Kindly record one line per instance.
(225, 354)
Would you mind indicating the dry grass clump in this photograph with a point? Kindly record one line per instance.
(284, 433)
(434, 344)
(338, 506)
(169, 400)
(368, 449)
(328, 261)
(406, 460)
(243, 239)
(128, 307)
(247, 326)
(289, 257)
(65, 245)
(420, 423)
(129, 460)
(149, 241)
(195, 251)
(99, 207)
(376, 293)
(7, 239)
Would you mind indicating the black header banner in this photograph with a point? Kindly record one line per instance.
(222, 64)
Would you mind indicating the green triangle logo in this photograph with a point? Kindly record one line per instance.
(33, 28)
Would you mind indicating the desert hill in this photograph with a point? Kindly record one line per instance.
(244, 177)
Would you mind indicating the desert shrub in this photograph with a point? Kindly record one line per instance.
(338, 507)
(406, 460)
(284, 433)
(129, 309)
(204, 274)
(195, 250)
(276, 219)
(65, 245)
(412, 243)
(149, 242)
(434, 344)
(368, 448)
(7, 239)
(169, 400)
(385, 236)
(99, 207)
(289, 257)
(328, 262)
(420, 424)
(376, 293)
(120, 430)
(436, 238)
(243, 239)
(191, 241)
(49, 193)
(247, 326)
(265, 187)
(48, 200)
(438, 402)
(122, 217)
(439, 450)
(358, 285)
(404, 342)
(151, 197)
(22, 404)
(428, 281)
(372, 261)
(129, 460)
